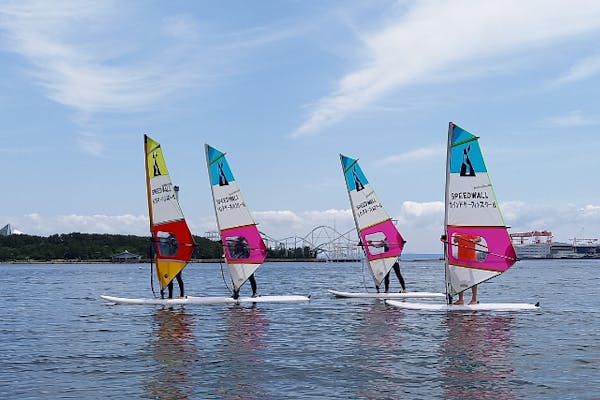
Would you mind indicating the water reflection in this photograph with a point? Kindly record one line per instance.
(380, 334)
(174, 350)
(243, 350)
(476, 361)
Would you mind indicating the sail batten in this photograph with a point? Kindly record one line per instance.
(172, 240)
(243, 246)
(478, 246)
(379, 237)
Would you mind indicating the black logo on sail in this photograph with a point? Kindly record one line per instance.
(222, 178)
(155, 167)
(357, 183)
(466, 169)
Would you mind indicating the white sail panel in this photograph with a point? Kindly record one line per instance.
(366, 207)
(230, 207)
(240, 272)
(165, 206)
(471, 201)
(462, 278)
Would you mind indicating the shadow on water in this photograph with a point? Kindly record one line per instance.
(173, 348)
(475, 361)
(242, 350)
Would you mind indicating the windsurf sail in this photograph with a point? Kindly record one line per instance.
(172, 240)
(243, 246)
(379, 237)
(477, 244)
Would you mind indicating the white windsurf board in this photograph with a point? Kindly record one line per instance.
(463, 307)
(205, 300)
(406, 295)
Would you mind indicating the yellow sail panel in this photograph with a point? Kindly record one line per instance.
(167, 269)
(156, 161)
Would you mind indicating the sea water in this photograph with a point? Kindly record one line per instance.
(60, 340)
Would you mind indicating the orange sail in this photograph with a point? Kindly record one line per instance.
(172, 240)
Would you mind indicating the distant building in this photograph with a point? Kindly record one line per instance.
(6, 231)
(9, 230)
(125, 257)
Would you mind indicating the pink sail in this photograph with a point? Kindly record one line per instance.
(478, 246)
(243, 244)
(379, 237)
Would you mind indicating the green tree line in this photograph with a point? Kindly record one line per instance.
(86, 247)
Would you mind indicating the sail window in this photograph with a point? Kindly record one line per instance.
(167, 243)
(377, 243)
(238, 247)
(466, 247)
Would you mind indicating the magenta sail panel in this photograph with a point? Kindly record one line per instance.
(243, 244)
(382, 240)
(487, 248)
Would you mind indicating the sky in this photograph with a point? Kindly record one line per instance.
(283, 87)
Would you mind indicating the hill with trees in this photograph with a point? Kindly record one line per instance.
(101, 247)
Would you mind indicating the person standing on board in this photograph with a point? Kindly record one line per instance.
(170, 287)
(236, 293)
(386, 247)
(467, 252)
(386, 280)
(241, 249)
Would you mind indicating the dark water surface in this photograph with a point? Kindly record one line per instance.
(60, 340)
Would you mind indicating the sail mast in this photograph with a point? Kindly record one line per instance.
(446, 201)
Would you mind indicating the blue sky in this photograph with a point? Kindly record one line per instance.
(283, 87)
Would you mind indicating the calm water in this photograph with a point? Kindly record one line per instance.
(60, 340)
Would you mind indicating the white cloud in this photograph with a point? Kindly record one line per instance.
(583, 69)
(434, 39)
(85, 57)
(38, 224)
(284, 223)
(414, 155)
(572, 119)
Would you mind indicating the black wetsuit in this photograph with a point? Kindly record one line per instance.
(386, 280)
(236, 293)
(170, 287)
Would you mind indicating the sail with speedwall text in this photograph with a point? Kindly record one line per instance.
(379, 237)
(478, 246)
(172, 240)
(243, 246)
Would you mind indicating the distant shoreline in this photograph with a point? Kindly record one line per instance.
(407, 257)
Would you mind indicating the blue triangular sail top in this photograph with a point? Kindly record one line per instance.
(220, 173)
(355, 178)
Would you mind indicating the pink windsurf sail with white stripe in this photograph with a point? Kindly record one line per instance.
(243, 246)
(379, 237)
(478, 246)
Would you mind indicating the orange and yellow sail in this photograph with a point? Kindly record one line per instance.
(172, 240)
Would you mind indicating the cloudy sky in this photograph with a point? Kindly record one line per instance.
(283, 87)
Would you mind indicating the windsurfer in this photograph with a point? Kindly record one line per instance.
(170, 287)
(386, 280)
(236, 292)
(466, 251)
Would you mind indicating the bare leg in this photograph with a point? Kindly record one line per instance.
(460, 300)
(473, 295)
